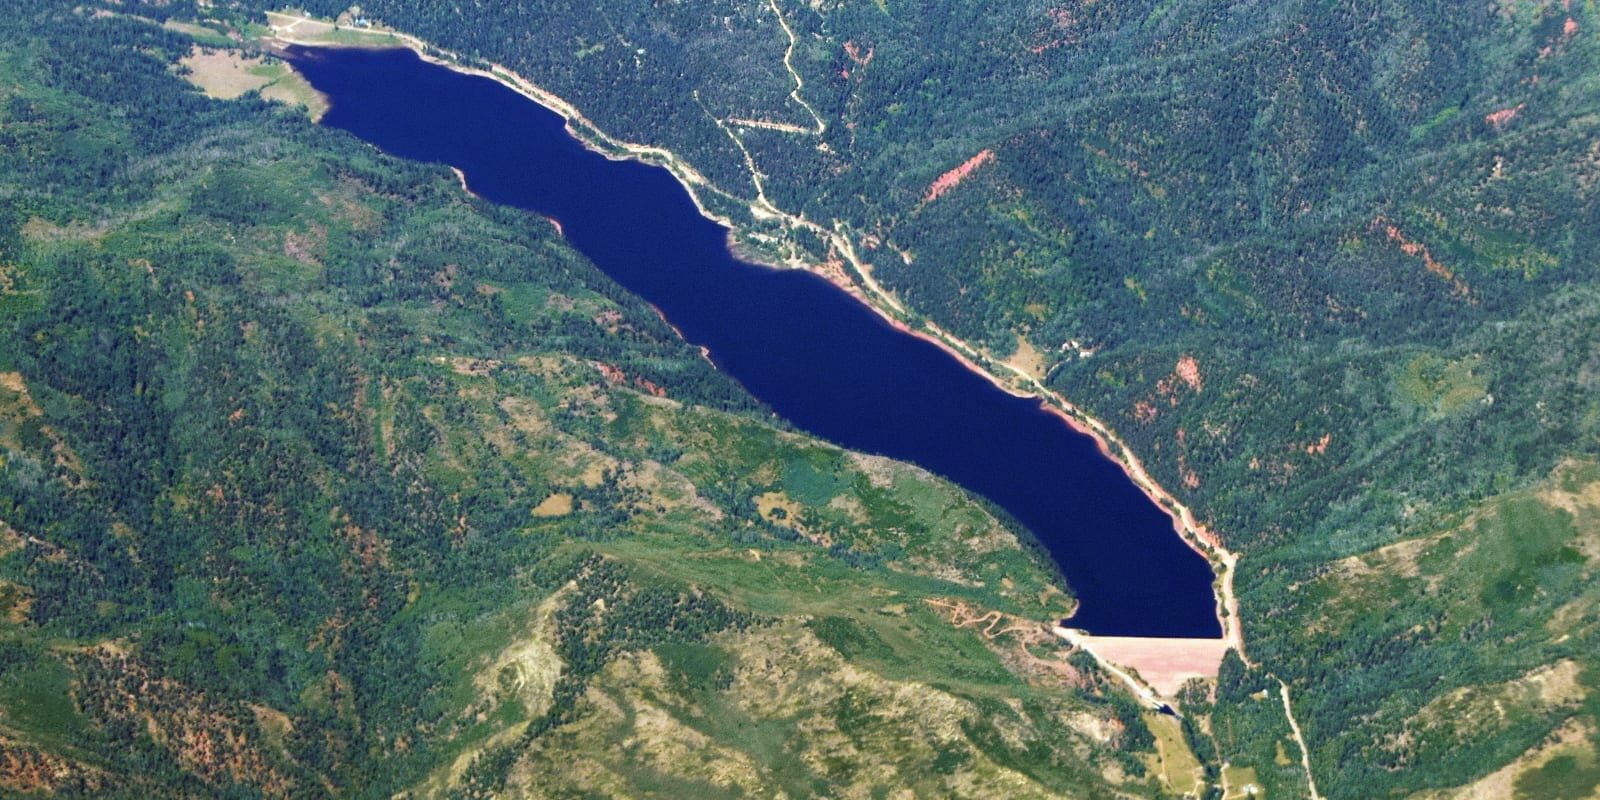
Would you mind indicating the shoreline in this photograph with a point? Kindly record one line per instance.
(578, 126)
(1196, 536)
(1223, 562)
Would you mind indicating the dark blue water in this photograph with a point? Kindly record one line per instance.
(811, 352)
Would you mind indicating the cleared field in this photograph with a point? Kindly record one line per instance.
(1441, 386)
(1179, 769)
(227, 74)
(556, 505)
(1242, 783)
(208, 36)
(313, 31)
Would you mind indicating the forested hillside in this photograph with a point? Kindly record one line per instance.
(1326, 266)
(319, 477)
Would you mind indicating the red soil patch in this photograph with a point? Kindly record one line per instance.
(948, 181)
(199, 732)
(1319, 446)
(1143, 411)
(369, 549)
(610, 319)
(1060, 32)
(25, 770)
(1504, 115)
(1419, 250)
(1188, 371)
(649, 387)
(613, 374)
(306, 248)
(1185, 373)
(855, 54)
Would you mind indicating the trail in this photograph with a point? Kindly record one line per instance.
(788, 54)
(1139, 689)
(1305, 754)
(764, 207)
(786, 127)
(749, 161)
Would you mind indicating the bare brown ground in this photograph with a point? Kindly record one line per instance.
(948, 181)
(224, 74)
(1027, 360)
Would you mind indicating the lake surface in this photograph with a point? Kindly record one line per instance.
(812, 353)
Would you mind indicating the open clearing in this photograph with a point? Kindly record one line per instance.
(556, 505)
(305, 30)
(1241, 782)
(1180, 770)
(227, 74)
(201, 33)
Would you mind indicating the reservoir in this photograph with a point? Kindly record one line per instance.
(812, 353)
